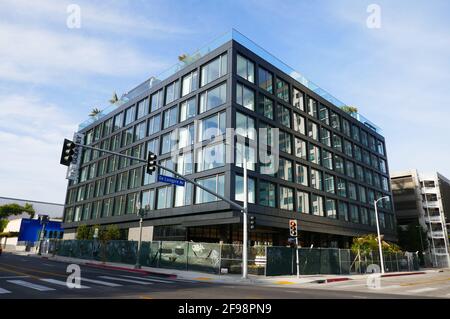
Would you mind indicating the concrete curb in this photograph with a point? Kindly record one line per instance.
(404, 274)
(140, 271)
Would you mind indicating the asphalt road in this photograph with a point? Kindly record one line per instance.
(23, 277)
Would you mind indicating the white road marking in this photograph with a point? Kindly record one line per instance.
(422, 290)
(348, 286)
(100, 282)
(4, 291)
(126, 280)
(390, 287)
(30, 285)
(149, 279)
(61, 283)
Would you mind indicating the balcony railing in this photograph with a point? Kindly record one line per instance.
(437, 234)
(439, 251)
(433, 219)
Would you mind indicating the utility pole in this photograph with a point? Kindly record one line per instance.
(142, 212)
(245, 211)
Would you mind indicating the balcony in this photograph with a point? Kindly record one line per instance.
(439, 251)
(433, 219)
(437, 234)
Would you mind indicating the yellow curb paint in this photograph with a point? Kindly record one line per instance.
(203, 278)
(284, 282)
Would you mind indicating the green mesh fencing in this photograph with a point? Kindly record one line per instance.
(203, 257)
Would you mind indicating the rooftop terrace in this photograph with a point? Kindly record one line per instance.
(249, 44)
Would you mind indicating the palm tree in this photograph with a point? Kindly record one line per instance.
(349, 109)
(114, 98)
(95, 111)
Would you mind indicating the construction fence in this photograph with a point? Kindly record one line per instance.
(227, 258)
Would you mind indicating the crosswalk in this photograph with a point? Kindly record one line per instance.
(11, 285)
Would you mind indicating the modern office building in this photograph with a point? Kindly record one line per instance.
(331, 166)
(423, 200)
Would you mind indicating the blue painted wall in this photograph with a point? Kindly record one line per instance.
(30, 228)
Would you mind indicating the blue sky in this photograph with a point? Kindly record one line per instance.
(52, 76)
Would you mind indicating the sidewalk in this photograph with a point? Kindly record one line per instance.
(228, 278)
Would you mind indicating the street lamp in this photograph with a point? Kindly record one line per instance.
(378, 232)
(43, 220)
(142, 212)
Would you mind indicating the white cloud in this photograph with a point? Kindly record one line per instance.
(31, 133)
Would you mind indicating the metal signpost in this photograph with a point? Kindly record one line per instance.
(294, 233)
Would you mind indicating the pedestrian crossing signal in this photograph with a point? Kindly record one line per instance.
(293, 227)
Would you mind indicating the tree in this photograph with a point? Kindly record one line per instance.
(95, 111)
(3, 224)
(111, 232)
(114, 98)
(365, 244)
(349, 109)
(16, 209)
(83, 232)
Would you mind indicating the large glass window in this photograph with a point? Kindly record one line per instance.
(343, 211)
(250, 155)
(364, 215)
(312, 107)
(352, 191)
(189, 83)
(362, 194)
(316, 179)
(265, 106)
(130, 115)
(164, 197)
(183, 195)
(168, 142)
(215, 183)
(330, 206)
(341, 187)
(285, 169)
(214, 69)
(239, 189)
(337, 142)
(170, 117)
(300, 148)
(212, 126)
(265, 80)
(185, 163)
(284, 115)
(282, 90)
(245, 126)
(298, 99)
(245, 96)
(245, 68)
(154, 124)
(142, 108)
(156, 100)
(329, 183)
(354, 213)
(210, 156)
(107, 129)
(324, 115)
(357, 153)
(317, 205)
(285, 142)
(302, 202)
(172, 92)
(355, 132)
(148, 199)
(186, 136)
(335, 121)
(327, 159)
(127, 137)
(325, 136)
(314, 154)
(266, 193)
(301, 174)
(213, 98)
(299, 123)
(350, 168)
(346, 127)
(141, 130)
(187, 110)
(313, 130)
(348, 149)
(286, 198)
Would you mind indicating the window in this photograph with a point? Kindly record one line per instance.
(312, 107)
(213, 98)
(329, 183)
(250, 155)
(314, 154)
(380, 147)
(154, 124)
(245, 96)
(357, 153)
(341, 187)
(335, 121)
(239, 189)
(127, 137)
(337, 142)
(189, 83)
(141, 129)
(214, 69)
(317, 205)
(285, 169)
(215, 183)
(285, 142)
(368, 174)
(245, 126)
(156, 100)
(362, 194)
(210, 156)
(355, 133)
(282, 90)
(186, 136)
(316, 179)
(135, 178)
(346, 127)
(354, 213)
(327, 159)
(372, 143)
(374, 161)
(324, 116)
(343, 211)
(265, 107)
(364, 216)
(170, 117)
(130, 115)
(363, 135)
(118, 121)
(185, 163)
(359, 173)
(286, 198)
(366, 157)
(172, 92)
(168, 142)
(183, 195)
(148, 199)
(313, 130)
(245, 68)
(164, 197)
(297, 99)
(301, 174)
(108, 126)
(187, 110)
(350, 168)
(330, 206)
(119, 205)
(352, 191)
(302, 202)
(284, 115)
(385, 184)
(299, 123)
(382, 164)
(212, 126)
(325, 136)
(142, 108)
(265, 80)
(266, 134)
(300, 148)
(266, 192)
(348, 149)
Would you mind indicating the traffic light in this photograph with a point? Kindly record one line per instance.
(252, 222)
(151, 163)
(293, 227)
(67, 152)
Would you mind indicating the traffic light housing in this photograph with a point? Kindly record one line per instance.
(67, 152)
(293, 228)
(151, 163)
(252, 222)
